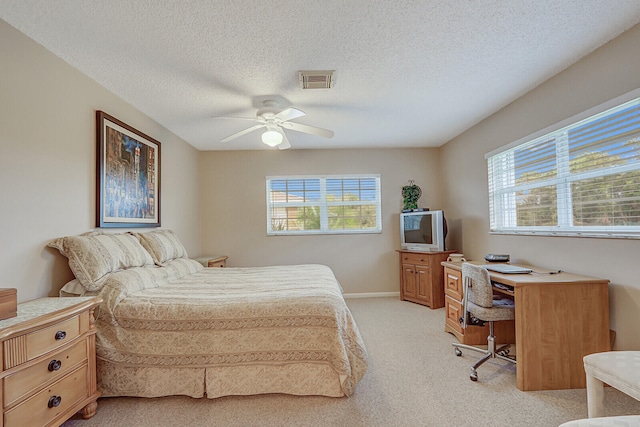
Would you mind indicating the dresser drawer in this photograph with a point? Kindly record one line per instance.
(24, 382)
(415, 259)
(52, 337)
(453, 312)
(40, 409)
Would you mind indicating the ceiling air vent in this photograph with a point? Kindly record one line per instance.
(322, 79)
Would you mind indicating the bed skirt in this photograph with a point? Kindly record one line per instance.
(302, 379)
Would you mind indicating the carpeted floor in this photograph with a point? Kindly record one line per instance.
(414, 379)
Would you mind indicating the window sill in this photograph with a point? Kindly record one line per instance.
(568, 234)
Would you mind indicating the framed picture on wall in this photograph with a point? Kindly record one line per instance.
(128, 175)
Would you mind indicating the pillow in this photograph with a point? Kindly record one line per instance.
(163, 245)
(93, 256)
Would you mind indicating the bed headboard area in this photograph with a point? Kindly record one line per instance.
(93, 257)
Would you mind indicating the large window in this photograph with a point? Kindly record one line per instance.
(582, 179)
(323, 204)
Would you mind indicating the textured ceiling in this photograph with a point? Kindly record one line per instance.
(408, 73)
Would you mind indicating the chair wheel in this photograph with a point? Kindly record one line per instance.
(458, 352)
(473, 376)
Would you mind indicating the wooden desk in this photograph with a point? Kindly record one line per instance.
(560, 318)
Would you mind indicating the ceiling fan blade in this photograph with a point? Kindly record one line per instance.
(289, 114)
(242, 132)
(308, 129)
(285, 141)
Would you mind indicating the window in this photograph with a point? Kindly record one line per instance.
(582, 179)
(323, 205)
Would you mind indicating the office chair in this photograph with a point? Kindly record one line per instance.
(479, 307)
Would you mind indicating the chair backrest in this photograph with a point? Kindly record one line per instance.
(477, 284)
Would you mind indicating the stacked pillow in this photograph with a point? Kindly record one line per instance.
(94, 256)
(163, 245)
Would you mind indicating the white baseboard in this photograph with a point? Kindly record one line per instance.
(372, 295)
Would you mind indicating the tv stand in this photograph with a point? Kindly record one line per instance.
(422, 277)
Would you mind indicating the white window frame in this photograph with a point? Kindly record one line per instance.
(324, 205)
(503, 187)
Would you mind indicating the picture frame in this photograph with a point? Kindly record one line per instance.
(128, 175)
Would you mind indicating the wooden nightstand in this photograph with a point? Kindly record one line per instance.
(49, 362)
(213, 261)
(219, 261)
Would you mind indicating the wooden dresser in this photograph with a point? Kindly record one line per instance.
(49, 362)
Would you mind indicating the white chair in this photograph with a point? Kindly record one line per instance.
(619, 369)
(479, 302)
(621, 421)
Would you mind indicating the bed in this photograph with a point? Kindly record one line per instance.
(169, 326)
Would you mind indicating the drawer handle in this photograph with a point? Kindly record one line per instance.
(54, 365)
(54, 401)
(60, 335)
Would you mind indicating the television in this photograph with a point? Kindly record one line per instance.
(423, 231)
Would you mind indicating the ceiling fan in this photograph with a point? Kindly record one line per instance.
(275, 120)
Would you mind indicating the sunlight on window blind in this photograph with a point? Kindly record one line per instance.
(582, 179)
(317, 205)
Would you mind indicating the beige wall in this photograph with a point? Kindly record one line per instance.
(47, 164)
(234, 210)
(216, 200)
(609, 72)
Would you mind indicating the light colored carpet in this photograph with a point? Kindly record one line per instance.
(414, 379)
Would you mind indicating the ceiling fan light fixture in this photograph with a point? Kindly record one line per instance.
(272, 138)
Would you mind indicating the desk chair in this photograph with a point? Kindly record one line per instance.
(479, 303)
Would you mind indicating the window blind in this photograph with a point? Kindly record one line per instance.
(323, 204)
(581, 179)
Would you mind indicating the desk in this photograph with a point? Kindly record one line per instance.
(560, 318)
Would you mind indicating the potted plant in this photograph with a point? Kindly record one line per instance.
(411, 193)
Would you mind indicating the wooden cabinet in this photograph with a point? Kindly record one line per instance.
(421, 277)
(473, 335)
(49, 362)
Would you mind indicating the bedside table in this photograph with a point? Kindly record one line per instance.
(213, 261)
(49, 362)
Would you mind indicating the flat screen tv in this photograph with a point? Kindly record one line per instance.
(423, 231)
